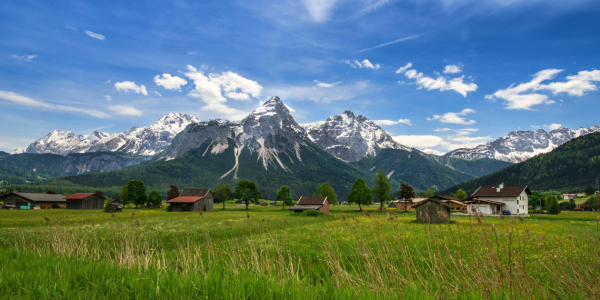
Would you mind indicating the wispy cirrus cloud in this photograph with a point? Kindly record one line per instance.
(326, 85)
(95, 35)
(371, 8)
(25, 57)
(26, 101)
(441, 83)
(364, 64)
(319, 10)
(455, 139)
(392, 122)
(454, 118)
(131, 86)
(526, 95)
(324, 94)
(402, 69)
(124, 110)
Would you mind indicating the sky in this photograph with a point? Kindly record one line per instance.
(437, 75)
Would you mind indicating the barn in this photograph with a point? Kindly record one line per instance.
(43, 201)
(85, 201)
(433, 210)
(311, 203)
(115, 206)
(193, 199)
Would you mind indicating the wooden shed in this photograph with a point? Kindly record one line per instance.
(433, 210)
(311, 203)
(42, 201)
(193, 199)
(115, 206)
(85, 201)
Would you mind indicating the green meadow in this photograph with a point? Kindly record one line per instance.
(268, 253)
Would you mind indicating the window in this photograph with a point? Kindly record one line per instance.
(517, 201)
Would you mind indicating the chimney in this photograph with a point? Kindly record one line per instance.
(501, 185)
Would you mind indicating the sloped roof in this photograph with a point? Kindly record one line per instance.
(312, 201)
(454, 201)
(39, 197)
(194, 192)
(444, 197)
(305, 207)
(506, 191)
(184, 199)
(81, 196)
(477, 200)
(434, 200)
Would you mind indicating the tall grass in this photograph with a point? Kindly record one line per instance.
(349, 256)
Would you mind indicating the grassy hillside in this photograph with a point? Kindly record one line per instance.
(564, 168)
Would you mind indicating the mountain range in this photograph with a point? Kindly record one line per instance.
(267, 146)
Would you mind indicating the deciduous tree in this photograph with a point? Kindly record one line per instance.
(285, 195)
(589, 190)
(381, 190)
(553, 207)
(136, 192)
(223, 193)
(406, 194)
(173, 192)
(428, 193)
(360, 193)
(325, 190)
(155, 198)
(247, 192)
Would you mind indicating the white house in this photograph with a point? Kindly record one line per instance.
(494, 199)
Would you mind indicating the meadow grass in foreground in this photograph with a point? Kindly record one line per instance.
(270, 254)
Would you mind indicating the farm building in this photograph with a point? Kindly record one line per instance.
(455, 203)
(311, 203)
(433, 210)
(486, 207)
(115, 206)
(85, 201)
(42, 201)
(193, 199)
(406, 204)
(512, 198)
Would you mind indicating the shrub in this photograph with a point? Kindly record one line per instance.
(55, 205)
(169, 208)
(312, 213)
(184, 207)
(106, 205)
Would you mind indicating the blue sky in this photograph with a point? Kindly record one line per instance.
(436, 74)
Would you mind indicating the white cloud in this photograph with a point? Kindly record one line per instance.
(131, 86)
(24, 57)
(392, 122)
(157, 93)
(108, 98)
(124, 110)
(210, 88)
(459, 139)
(70, 27)
(326, 85)
(367, 64)
(321, 94)
(364, 64)
(26, 101)
(434, 152)
(170, 82)
(289, 108)
(108, 81)
(370, 8)
(393, 42)
(419, 141)
(95, 35)
(319, 10)
(441, 83)
(452, 69)
(454, 118)
(524, 96)
(402, 69)
(553, 126)
(442, 129)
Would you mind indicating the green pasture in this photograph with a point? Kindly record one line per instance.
(268, 253)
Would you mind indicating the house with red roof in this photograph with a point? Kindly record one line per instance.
(85, 201)
(192, 200)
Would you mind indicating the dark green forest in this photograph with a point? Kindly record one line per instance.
(570, 167)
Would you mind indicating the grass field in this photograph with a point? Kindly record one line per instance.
(269, 254)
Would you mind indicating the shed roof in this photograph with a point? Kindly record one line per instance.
(455, 202)
(81, 196)
(312, 201)
(506, 191)
(185, 199)
(39, 197)
(194, 192)
(305, 207)
(434, 200)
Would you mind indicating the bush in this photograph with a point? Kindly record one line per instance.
(169, 208)
(312, 213)
(55, 205)
(106, 205)
(184, 207)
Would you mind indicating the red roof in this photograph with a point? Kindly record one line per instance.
(79, 196)
(188, 199)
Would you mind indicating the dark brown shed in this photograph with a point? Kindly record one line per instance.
(193, 199)
(433, 210)
(85, 201)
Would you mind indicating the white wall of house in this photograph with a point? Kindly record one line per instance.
(516, 205)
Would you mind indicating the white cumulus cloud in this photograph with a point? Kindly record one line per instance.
(441, 83)
(553, 126)
(434, 152)
(95, 35)
(454, 118)
(452, 69)
(326, 85)
(526, 95)
(392, 122)
(402, 69)
(131, 86)
(210, 90)
(419, 141)
(124, 110)
(170, 82)
(26, 101)
(364, 64)
(367, 64)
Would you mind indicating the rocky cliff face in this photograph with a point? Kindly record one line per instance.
(350, 138)
(521, 145)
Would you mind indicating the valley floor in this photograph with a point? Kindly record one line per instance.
(269, 254)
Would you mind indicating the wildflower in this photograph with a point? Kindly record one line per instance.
(151, 249)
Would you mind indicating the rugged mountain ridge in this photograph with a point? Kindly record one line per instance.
(519, 146)
(351, 138)
(146, 141)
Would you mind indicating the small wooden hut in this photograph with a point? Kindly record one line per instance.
(311, 203)
(85, 201)
(193, 199)
(433, 210)
(115, 206)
